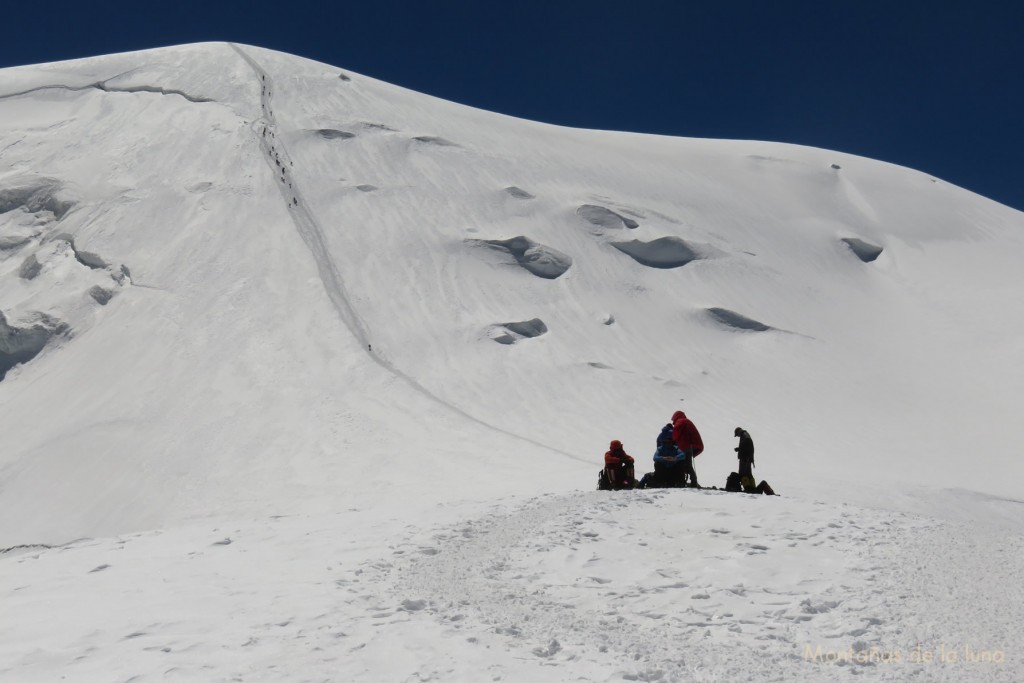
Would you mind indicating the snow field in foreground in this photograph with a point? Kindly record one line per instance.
(669, 585)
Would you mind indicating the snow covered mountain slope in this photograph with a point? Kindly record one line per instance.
(307, 376)
(253, 276)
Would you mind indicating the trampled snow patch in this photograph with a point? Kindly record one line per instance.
(669, 585)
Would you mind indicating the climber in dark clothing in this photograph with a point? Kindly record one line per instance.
(735, 484)
(668, 461)
(745, 452)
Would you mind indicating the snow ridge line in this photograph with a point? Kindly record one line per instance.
(277, 157)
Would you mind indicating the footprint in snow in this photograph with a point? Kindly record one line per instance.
(553, 648)
(809, 607)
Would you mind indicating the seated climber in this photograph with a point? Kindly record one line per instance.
(618, 467)
(668, 462)
(735, 483)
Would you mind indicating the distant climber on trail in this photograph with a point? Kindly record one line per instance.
(689, 443)
(745, 452)
(618, 467)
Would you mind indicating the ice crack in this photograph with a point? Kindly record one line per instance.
(103, 87)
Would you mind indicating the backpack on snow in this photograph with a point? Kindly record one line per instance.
(648, 481)
(605, 483)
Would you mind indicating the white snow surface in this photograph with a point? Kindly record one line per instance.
(275, 407)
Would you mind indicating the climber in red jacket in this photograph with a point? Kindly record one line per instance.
(689, 443)
(618, 467)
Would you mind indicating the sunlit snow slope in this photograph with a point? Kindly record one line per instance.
(234, 280)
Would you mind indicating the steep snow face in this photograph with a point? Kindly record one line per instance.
(271, 295)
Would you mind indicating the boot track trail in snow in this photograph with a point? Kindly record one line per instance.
(661, 585)
(785, 588)
(281, 164)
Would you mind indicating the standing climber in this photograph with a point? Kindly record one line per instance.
(745, 452)
(689, 443)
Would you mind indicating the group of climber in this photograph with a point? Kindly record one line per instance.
(678, 444)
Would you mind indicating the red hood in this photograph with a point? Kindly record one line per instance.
(676, 416)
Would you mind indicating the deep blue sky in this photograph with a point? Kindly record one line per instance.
(936, 85)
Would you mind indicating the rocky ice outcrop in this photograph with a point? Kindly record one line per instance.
(736, 321)
(664, 252)
(605, 218)
(35, 195)
(22, 344)
(518, 192)
(510, 333)
(538, 259)
(865, 251)
(334, 134)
